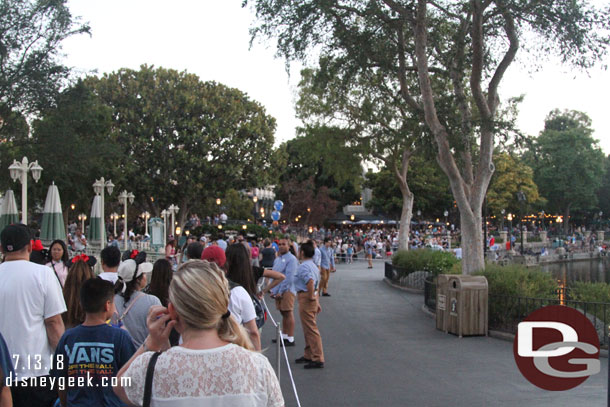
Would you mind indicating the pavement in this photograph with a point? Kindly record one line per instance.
(381, 349)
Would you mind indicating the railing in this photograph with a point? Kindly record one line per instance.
(430, 293)
(505, 312)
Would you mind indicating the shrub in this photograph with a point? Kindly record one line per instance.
(589, 292)
(519, 281)
(434, 261)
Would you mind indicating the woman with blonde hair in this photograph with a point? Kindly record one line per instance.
(214, 365)
(79, 271)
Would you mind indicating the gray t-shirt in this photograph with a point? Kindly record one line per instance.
(135, 320)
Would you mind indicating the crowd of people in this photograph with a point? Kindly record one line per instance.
(196, 314)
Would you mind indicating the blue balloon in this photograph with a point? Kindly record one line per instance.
(276, 215)
(278, 205)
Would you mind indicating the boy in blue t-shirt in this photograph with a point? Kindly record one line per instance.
(91, 354)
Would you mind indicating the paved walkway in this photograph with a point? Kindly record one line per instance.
(382, 350)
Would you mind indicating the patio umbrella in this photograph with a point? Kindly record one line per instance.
(95, 221)
(8, 211)
(53, 226)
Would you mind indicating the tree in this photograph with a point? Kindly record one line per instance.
(512, 175)
(31, 33)
(427, 182)
(603, 194)
(323, 154)
(237, 206)
(72, 143)
(470, 43)
(187, 141)
(303, 201)
(568, 163)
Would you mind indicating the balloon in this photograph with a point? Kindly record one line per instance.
(275, 215)
(278, 205)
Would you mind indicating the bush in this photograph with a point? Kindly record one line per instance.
(589, 292)
(434, 261)
(519, 281)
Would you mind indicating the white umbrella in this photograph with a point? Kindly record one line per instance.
(52, 227)
(95, 221)
(8, 212)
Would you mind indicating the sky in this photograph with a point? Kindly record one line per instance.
(210, 38)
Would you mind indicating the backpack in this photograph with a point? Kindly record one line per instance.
(254, 251)
(259, 308)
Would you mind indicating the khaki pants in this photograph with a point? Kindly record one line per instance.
(313, 341)
(324, 276)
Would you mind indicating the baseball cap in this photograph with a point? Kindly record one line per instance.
(127, 270)
(15, 237)
(214, 254)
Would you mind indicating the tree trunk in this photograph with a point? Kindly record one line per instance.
(407, 200)
(471, 224)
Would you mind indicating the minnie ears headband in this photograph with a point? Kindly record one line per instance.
(90, 260)
(138, 257)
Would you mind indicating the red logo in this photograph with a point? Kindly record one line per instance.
(556, 348)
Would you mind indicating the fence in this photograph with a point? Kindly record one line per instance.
(430, 294)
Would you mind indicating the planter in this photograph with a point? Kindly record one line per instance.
(414, 280)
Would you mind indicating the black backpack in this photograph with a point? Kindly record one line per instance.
(259, 308)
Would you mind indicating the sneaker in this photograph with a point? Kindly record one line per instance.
(325, 295)
(303, 359)
(314, 365)
(286, 342)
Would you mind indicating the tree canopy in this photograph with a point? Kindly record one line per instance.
(31, 33)
(196, 139)
(568, 163)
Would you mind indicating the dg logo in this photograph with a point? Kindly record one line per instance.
(556, 348)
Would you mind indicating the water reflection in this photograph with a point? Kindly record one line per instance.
(594, 270)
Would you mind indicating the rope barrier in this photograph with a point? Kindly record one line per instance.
(280, 344)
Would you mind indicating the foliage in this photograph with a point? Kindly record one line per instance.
(568, 163)
(237, 206)
(71, 142)
(31, 34)
(301, 199)
(589, 292)
(603, 193)
(511, 176)
(519, 281)
(417, 46)
(324, 155)
(427, 182)
(434, 261)
(195, 138)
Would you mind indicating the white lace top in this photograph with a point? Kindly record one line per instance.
(229, 376)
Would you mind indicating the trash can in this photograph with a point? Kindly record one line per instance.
(442, 291)
(467, 310)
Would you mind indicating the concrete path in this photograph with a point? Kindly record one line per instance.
(382, 350)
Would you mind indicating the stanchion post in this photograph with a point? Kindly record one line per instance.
(279, 348)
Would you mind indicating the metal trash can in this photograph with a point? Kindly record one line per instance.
(466, 306)
(442, 291)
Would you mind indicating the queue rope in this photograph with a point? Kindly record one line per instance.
(281, 341)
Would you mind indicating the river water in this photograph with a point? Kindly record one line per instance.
(594, 270)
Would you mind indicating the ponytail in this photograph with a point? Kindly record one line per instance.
(230, 331)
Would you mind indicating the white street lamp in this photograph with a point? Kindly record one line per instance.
(123, 198)
(113, 217)
(173, 210)
(146, 216)
(98, 188)
(164, 214)
(82, 217)
(19, 171)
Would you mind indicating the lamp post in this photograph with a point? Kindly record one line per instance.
(82, 217)
(173, 210)
(522, 199)
(146, 216)
(543, 225)
(164, 214)
(502, 221)
(113, 217)
(19, 171)
(123, 198)
(510, 238)
(98, 188)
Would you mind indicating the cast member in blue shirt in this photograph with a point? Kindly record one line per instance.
(327, 265)
(306, 285)
(284, 292)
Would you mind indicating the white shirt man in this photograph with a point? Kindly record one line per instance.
(32, 302)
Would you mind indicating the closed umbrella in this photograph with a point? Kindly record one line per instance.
(95, 221)
(52, 227)
(8, 212)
